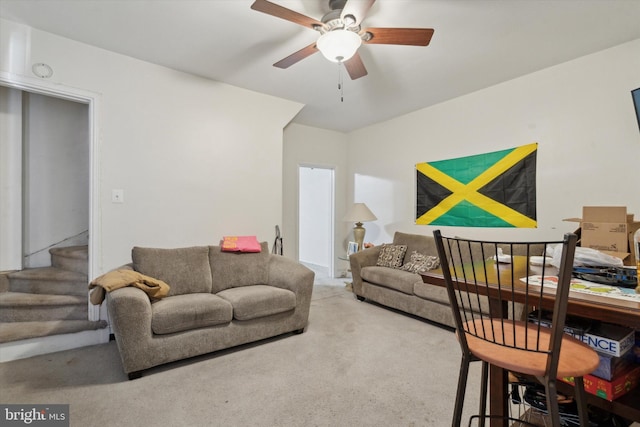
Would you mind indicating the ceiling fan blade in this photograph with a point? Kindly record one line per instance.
(355, 67)
(406, 36)
(297, 56)
(284, 13)
(357, 8)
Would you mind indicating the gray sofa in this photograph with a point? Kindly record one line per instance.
(399, 289)
(405, 291)
(217, 300)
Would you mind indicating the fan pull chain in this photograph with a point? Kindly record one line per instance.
(340, 84)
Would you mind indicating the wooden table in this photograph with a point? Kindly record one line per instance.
(610, 310)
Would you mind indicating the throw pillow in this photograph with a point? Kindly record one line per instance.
(391, 255)
(421, 263)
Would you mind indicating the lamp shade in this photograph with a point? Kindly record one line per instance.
(359, 212)
(339, 45)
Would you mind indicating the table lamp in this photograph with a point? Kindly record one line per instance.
(359, 213)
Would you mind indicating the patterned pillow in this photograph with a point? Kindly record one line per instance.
(420, 263)
(391, 255)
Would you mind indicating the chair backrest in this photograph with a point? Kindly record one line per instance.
(483, 289)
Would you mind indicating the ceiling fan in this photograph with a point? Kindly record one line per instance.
(341, 34)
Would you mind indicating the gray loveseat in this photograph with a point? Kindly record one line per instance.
(216, 300)
(400, 289)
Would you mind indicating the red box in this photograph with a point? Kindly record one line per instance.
(623, 383)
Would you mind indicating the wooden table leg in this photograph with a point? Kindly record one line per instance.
(498, 380)
(498, 398)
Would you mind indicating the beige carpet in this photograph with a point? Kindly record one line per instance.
(357, 364)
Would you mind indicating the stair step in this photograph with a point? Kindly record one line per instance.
(24, 307)
(72, 258)
(15, 331)
(48, 280)
(4, 280)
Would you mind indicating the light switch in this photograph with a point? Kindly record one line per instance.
(117, 196)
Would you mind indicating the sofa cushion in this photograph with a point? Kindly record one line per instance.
(251, 302)
(415, 242)
(235, 269)
(391, 256)
(439, 294)
(431, 292)
(419, 263)
(185, 270)
(390, 278)
(184, 312)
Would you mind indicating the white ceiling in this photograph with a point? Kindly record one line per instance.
(477, 43)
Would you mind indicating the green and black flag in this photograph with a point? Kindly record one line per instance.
(486, 190)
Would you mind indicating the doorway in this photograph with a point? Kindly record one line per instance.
(316, 192)
(47, 199)
(90, 104)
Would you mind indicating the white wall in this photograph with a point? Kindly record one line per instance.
(580, 113)
(10, 179)
(196, 158)
(56, 176)
(305, 145)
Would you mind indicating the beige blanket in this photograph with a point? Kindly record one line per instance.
(117, 279)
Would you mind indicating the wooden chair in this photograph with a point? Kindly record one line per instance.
(481, 288)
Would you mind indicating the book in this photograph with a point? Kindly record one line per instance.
(585, 287)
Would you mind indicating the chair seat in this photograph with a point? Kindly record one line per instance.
(576, 358)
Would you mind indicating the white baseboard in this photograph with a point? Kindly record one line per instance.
(43, 345)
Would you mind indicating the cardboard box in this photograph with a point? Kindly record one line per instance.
(622, 384)
(605, 228)
(608, 229)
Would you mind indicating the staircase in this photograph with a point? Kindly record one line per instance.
(39, 303)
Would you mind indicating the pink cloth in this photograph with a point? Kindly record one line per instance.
(240, 244)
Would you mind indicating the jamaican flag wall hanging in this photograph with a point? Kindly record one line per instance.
(486, 190)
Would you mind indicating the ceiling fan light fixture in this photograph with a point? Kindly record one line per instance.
(339, 45)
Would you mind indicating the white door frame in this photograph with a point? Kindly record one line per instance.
(93, 100)
(331, 211)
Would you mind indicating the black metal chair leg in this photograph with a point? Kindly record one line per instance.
(484, 380)
(552, 401)
(462, 387)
